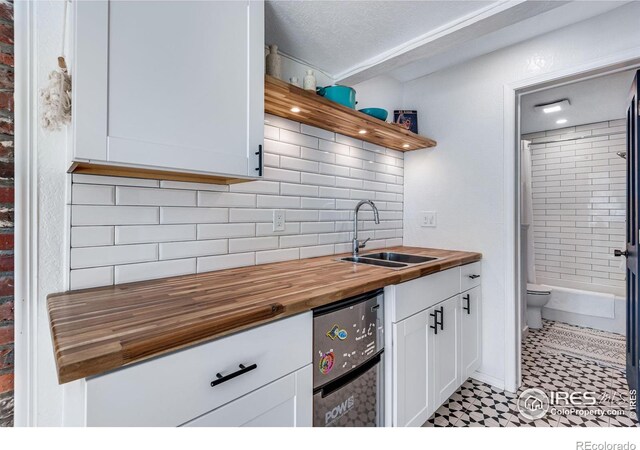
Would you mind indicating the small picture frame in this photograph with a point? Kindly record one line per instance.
(406, 118)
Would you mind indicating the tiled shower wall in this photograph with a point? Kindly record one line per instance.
(125, 230)
(579, 196)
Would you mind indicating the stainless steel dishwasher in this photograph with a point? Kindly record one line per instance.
(348, 342)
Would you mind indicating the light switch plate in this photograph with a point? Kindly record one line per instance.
(428, 219)
(278, 220)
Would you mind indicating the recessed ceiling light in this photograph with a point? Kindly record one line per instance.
(295, 109)
(561, 121)
(362, 131)
(405, 146)
(554, 106)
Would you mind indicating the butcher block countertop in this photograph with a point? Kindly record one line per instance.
(100, 329)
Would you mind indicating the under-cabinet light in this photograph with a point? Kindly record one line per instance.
(295, 109)
(554, 106)
(405, 146)
(561, 121)
(362, 131)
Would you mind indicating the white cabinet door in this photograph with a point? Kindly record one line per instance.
(471, 312)
(170, 85)
(411, 371)
(286, 402)
(445, 350)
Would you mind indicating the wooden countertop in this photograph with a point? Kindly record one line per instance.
(100, 329)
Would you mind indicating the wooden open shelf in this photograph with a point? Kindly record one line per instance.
(280, 97)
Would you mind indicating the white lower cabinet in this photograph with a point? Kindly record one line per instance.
(283, 403)
(411, 370)
(471, 328)
(436, 348)
(445, 351)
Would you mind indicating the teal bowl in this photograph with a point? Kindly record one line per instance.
(378, 113)
(340, 94)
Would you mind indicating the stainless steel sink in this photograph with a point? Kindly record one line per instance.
(374, 262)
(389, 259)
(399, 257)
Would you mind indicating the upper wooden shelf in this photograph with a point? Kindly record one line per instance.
(280, 97)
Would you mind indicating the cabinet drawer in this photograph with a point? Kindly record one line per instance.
(405, 299)
(286, 402)
(470, 276)
(171, 390)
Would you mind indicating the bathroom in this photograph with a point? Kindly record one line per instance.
(573, 219)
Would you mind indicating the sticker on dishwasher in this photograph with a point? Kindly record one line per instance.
(336, 332)
(326, 363)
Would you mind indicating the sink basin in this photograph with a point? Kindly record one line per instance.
(399, 257)
(374, 262)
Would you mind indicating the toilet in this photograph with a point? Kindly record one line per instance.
(537, 297)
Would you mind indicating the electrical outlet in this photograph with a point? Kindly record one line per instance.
(278, 220)
(428, 219)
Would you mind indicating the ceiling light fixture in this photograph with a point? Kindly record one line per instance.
(362, 131)
(295, 109)
(561, 121)
(555, 106)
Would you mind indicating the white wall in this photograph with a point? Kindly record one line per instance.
(463, 178)
(52, 229)
(379, 92)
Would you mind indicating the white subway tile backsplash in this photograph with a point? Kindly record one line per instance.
(177, 215)
(93, 277)
(157, 197)
(253, 244)
(226, 230)
(298, 139)
(127, 229)
(318, 132)
(277, 255)
(113, 215)
(112, 255)
(92, 194)
(141, 234)
(576, 206)
(226, 199)
(210, 263)
(178, 250)
(92, 236)
(160, 269)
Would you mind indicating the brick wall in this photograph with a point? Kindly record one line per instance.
(6, 213)
(127, 230)
(578, 186)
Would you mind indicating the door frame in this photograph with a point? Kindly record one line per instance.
(624, 60)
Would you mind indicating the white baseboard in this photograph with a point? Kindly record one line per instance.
(484, 378)
(525, 333)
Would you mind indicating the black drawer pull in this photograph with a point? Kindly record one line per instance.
(259, 153)
(221, 379)
(468, 307)
(474, 276)
(434, 327)
(442, 318)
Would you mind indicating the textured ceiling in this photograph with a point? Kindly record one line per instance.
(594, 100)
(338, 35)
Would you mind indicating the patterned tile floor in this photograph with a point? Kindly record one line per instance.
(477, 404)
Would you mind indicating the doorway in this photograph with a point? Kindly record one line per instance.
(570, 147)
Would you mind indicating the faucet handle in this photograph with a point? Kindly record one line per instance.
(364, 243)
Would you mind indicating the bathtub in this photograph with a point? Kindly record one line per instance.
(586, 308)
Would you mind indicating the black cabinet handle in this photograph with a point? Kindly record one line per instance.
(442, 318)
(617, 252)
(434, 327)
(468, 307)
(259, 153)
(474, 276)
(221, 379)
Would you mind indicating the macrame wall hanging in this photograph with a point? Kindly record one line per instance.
(55, 97)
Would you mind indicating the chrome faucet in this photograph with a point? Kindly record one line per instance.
(356, 244)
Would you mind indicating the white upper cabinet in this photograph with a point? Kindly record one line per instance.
(170, 85)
